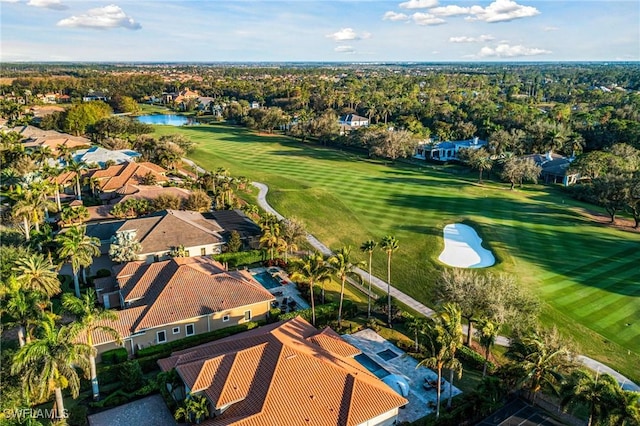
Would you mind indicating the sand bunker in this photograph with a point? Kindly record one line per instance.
(463, 248)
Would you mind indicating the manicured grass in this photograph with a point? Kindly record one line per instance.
(586, 274)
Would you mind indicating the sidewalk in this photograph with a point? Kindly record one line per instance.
(625, 383)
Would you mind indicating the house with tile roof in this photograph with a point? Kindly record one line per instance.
(35, 138)
(177, 298)
(285, 374)
(448, 150)
(161, 232)
(115, 177)
(100, 156)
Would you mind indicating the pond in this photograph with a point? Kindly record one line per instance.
(167, 119)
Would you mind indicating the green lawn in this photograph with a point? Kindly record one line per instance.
(587, 275)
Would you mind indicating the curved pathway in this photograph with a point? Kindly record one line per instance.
(419, 307)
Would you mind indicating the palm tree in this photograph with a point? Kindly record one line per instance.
(91, 318)
(450, 319)
(24, 308)
(270, 238)
(344, 268)
(49, 363)
(542, 358)
(437, 358)
(417, 326)
(487, 332)
(38, 274)
(389, 244)
(312, 268)
(79, 249)
(196, 408)
(76, 167)
(369, 246)
(597, 393)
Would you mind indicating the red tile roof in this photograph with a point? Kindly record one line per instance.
(183, 288)
(282, 375)
(115, 177)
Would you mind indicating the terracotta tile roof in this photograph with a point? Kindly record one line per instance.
(115, 177)
(164, 230)
(183, 288)
(151, 192)
(277, 375)
(332, 342)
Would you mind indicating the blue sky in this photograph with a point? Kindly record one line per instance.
(319, 30)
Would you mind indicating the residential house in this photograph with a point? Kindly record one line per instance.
(36, 138)
(180, 96)
(115, 177)
(236, 220)
(555, 168)
(161, 232)
(100, 156)
(166, 301)
(285, 374)
(447, 151)
(95, 96)
(254, 105)
(351, 122)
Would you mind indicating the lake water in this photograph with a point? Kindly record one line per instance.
(167, 119)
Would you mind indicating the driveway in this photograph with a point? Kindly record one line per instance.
(149, 411)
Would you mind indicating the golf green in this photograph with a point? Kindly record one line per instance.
(586, 274)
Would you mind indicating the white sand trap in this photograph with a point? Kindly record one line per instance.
(463, 248)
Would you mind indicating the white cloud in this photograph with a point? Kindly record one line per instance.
(394, 16)
(101, 18)
(501, 11)
(419, 4)
(344, 49)
(348, 34)
(48, 4)
(451, 10)
(550, 28)
(427, 19)
(466, 39)
(9, 1)
(508, 51)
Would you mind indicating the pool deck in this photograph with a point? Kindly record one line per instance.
(371, 343)
(288, 290)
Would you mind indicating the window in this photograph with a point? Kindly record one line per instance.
(189, 330)
(161, 336)
(176, 330)
(225, 318)
(203, 251)
(247, 315)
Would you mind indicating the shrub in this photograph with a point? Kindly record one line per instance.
(78, 416)
(324, 313)
(103, 273)
(107, 374)
(473, 359)
(131, 376)
(115, 356)
(240, 258)
(274, 314)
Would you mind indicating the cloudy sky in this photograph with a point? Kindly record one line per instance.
(319, 30)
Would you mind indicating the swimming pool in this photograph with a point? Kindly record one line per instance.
(372, 366)
(267, 280)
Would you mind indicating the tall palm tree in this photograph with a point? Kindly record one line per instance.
(417, 326)
(270, 238)
(487, 333)
(368, 247)
(389, 244)
(312, 268)
(450, 319)
(343, 267)
(38, 274)
(49, 363)
(436, 359)
(90, 318)
(76, 167)
(24, 308)
(79, 249)
(542, 358)
(597, 393)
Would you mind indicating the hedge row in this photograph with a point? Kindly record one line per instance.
(165, 349)
(240, 258)
(323, 313)
(473, 359)
(115, 356)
